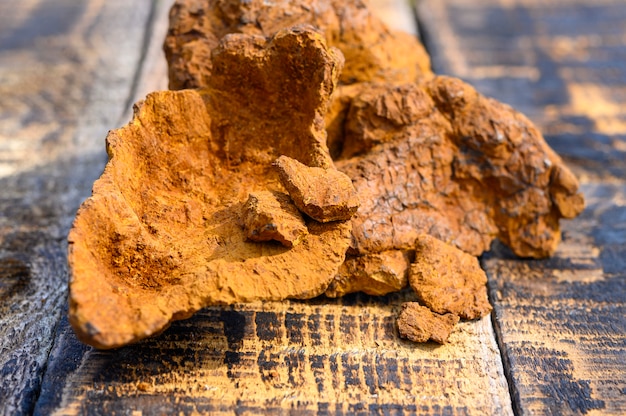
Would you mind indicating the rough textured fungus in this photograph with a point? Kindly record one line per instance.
(447, 280)
(271, 216)
(246, 188)
(439, 158)
(375, 274)
(372, 51)
(323, 194)
(426, 155)
(419, 324)
(162, 235)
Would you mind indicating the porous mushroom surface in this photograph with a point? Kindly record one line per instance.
(417, 323)
(272, 216)
(162, 234)
(323, 194)
(448, 280)
(426, 154)
(371, 50)
(375, 274)
(439, 158)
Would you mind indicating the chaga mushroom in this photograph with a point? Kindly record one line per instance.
(272, 216)
(375, 274)
(417, 323)
(246, 188)
(371, 50)
(163, 233)
(441, 159)
(426, 154)
(448, 280)
(461, 132)
(323, 194)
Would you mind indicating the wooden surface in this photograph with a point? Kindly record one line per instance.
(561, 323)
(69, 71)
(66, 75)
(319, 357)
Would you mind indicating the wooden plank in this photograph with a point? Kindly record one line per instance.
(321, 356)
(152, 75)
(310, 357)
(560, 322)
(66, 71)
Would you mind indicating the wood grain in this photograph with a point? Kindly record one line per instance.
(66, 70)
(315, 357)
(560, 322)
(152, 73)
(312, 357)
(69, 71)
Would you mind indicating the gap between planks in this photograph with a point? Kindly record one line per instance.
(561, 322)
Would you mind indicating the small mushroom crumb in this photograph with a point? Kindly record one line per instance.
(375, 274)
(447, 279)
(272, 216)
(323, 194)
(419, 324)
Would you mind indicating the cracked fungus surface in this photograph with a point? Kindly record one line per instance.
(162, 235)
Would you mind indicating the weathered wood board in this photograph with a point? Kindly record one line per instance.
(314, 357)
(69, 71)
(66, 72)
(561, 322)
(321, 356)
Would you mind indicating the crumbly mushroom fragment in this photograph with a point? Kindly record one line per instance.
(448, 280)
(372, 51)
(440, 158)
(417, 323)
(271, 216)
(375, 274)
(323, 194)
